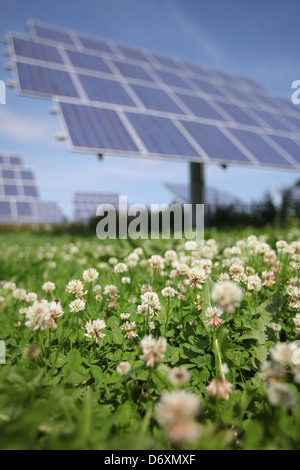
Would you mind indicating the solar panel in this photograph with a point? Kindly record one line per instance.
(104, 88)
(86, 204)
(213, 197)
(49, 213)
(19, 195)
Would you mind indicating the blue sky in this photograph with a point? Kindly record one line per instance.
(255, 38)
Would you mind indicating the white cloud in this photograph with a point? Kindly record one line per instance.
(26, 129)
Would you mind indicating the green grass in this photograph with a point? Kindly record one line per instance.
(71, 396)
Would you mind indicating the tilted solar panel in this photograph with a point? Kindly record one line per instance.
(114, 98)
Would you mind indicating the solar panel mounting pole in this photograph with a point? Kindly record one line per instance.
(197, 187)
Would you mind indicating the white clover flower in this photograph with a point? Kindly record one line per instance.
(90, 275)
(177, 406)
(153, 350)
(111, 290)
(49, 287)
(9, 286)
(56, 309)
(170, 255)
(197, 277)
(190, 245)
(75, 287)
(126, 280)
(77, 305)
(156, 262)
(281, 245)
(123, 368)
(254, 283)
(38, 315)
(125, 316)
(179, 376)
(19, 294)
(214, 314)
(150, 299)
(168, 292)
(228, 295)
(94, 329)
(280, 394)
(120, 268)
(282, 353)
(31, 297)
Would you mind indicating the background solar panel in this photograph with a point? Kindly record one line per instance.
(19, 195)
(213, 197)
(90, 71)
(86, 204)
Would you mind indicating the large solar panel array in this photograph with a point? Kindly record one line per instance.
(19, 195)
(85, 204)
(120, 100)
(214, 198)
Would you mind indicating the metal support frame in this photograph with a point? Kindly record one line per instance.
(197, 186)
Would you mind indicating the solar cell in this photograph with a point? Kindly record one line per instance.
(108, 91)
(94, 128)
(200, 107)
(30, 191)
(271, 120)
(161, 136)
(27, 175)
(11, 190)
(52, 34)
(133, 71)
(25, 209)
(153, 98)
(5, 209)
(8, 174)
(288, 145)
(260, 148)
(238, 114)
(172, 80)
(215, 144)
(15, 161)
(207, 87)
(134, 54)
(45, 81)
(87, 61)
(95, 44)
(86, 204)
(32, 50)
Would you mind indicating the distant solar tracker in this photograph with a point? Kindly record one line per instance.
(213, 198)
(121, 100)
(85, 204)
(19, 195)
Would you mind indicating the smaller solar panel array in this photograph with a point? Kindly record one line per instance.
(214, 198)
(124, 101)
(19, 195)
(86, 204)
